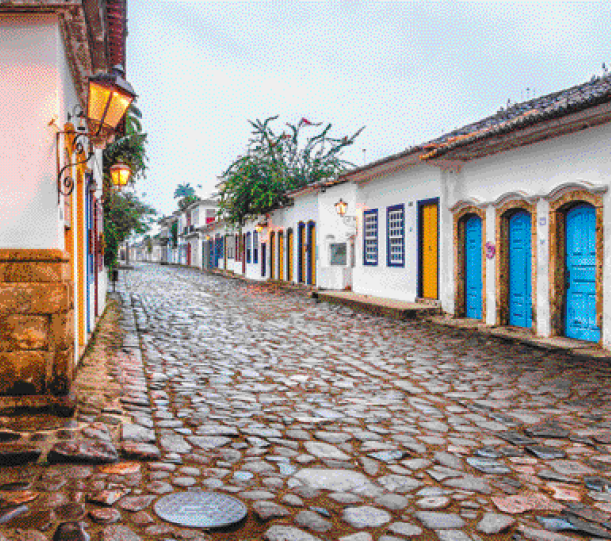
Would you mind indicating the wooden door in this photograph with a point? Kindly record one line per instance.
(429, 249)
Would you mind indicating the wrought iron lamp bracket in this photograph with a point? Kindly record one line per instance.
(65, 182)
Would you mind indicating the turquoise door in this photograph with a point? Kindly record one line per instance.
(520, 284)
(473, 267)
(580, 310)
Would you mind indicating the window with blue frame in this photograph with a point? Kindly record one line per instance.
(248, 247)
(370, 237)
(255, 247)
(395, 236)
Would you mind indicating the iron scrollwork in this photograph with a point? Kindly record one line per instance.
(65, 182)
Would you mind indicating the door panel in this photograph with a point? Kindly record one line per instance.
(302, 253)
(473, 267)
(520, 261)
(289, 256)
(280, 256)
(580, 309)
(312, 254)
(429, 250)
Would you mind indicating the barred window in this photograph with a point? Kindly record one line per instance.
(395, 233)
(370, 237)
(248, 247)
(255, 247)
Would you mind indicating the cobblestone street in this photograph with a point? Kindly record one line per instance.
(328, 424)
(337, 423)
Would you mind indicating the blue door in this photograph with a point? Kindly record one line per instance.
(211, 254)
(520, 285)
(580, 312)
(473, 267)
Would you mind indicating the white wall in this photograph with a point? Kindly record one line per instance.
(408, 186)
(333, 229)
(36, 87)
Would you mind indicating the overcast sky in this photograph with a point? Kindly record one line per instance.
(408, 71)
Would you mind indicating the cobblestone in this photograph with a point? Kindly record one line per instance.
(321, 420)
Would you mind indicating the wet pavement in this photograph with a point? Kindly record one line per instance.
(327, 423)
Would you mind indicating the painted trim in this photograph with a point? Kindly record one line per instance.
(390, 209)
(371, 212)
(420, 205)
(311, 252)
(255, 247)
(569, 187)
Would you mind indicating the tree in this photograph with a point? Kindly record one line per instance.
(184, 190)
(186, 194)
(125, 214)
(275, 163)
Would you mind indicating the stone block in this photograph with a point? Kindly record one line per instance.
(29, 298)
(61, 330)
(31, 255)
(23, 332)
(62, 372)
(37, 271)
(22, 372)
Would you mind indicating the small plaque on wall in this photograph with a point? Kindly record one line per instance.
(490, 250)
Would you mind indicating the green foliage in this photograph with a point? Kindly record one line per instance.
(184, 190)
(275, 163)
(124, 214)
(186, 194)
(186, 201)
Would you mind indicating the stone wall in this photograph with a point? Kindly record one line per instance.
(36, 329)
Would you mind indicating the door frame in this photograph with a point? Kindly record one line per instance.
(421, 204)
(460, 299)
(503, 214)
(557, 228)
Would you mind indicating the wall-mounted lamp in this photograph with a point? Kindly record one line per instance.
(109, 97)
(260, 226)
(120, 175)
(340, 207)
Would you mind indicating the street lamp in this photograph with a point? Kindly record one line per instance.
(120, 174)
(109, 97)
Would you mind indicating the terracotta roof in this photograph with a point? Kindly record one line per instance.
(116, 20)
(521, 115)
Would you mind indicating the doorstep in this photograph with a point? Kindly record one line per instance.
(525, 336)
(379, 305)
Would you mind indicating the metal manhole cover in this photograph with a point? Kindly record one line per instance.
(200, 509)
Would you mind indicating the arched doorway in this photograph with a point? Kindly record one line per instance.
(519, 270)
(473, 267)
(580, 265)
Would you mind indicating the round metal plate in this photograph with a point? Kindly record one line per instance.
(200, 509)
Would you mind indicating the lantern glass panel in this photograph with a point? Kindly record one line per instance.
(118, 105)
(99, 95)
